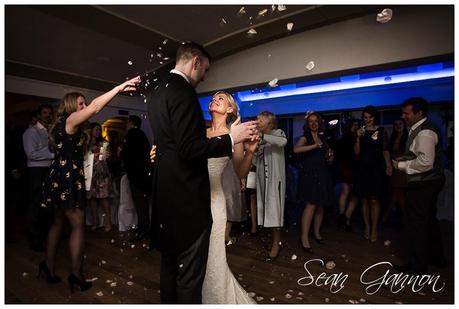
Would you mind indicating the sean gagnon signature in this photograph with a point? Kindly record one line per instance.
(396, 281)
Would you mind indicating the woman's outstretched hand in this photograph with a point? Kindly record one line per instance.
(130, 85)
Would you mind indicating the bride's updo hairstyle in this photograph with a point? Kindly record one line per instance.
(232, 103)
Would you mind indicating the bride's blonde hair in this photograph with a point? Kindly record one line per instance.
(232, 102)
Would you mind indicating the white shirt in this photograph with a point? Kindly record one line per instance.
(35, 142)
(423, 146)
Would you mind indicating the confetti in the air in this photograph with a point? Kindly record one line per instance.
(310, 65)
(251, 33)
(333, 122)
(289, 26)
(241, 11)
(273, 83)
(263, 12)
(384, 16)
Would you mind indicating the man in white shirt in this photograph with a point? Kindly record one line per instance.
(422, 165)
(39, 158)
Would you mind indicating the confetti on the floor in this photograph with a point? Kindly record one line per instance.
(260, 298)
(113, 284)
(327, 300)
(130, 62)
(100, 293)
(300, 293)
(112, 241)
(273, 7)
(131, 276)
(289, 26)
(353, 301)
(272, 299)
(132, 246)
(288, 296)
(103, 262)
(92, 279)
(362, 300)
(299, 298)
(108, 281)
(294, 257)
(129, 283)
(241, 11)
(113, 292)
(165, 41)
(273, 83)
(387, 243)
(422, 293)
(330, 265)
(398, 302)
(252, 32)
(251, 294)
(25, 274)
(384, 16)
(272, 282)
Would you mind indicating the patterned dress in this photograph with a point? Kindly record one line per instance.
(100, 182)
(64, 186)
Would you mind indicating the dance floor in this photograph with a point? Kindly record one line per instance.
(125, 274)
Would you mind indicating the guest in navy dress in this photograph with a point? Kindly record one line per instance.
(315, 186)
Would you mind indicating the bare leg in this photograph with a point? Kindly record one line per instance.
(366, 218)
(306, 219)
(108, 213)
(229, 225)
(350, 209)
(76, 241)
(94, 213)
(253, 212)
(343, 197)
(375, 209)
(276, 238)
(54, 235)
(318, 218)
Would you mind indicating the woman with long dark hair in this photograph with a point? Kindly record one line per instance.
(64, 189)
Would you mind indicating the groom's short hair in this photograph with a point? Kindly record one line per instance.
(189, 49)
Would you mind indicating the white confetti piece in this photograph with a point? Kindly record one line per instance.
(288, 296)
(130, 62)
(387, 243)
(92, 279)
(343, 255)
(290, 291)
(113, 292)
(333, 122)
(165, 41)
(300, 293)
(362, 300)
(223, 22)
(273, 7)
(289, 26)
(422, 293)
(121, 250)
(353, 301)
(158, 291)
(330, 265)
(145, 101)
(161, 62)
(327, 300)
(25, 274)
(272, 299)
(160, 48)
(113, 284)
(272, 282)
(100, 293)
(112, 241)
(129, 283)
(398, 302)
(251, 294)
(310, 65)
(166, 58)
(131, 276)
(273, 83)
(108, 281)
(252, 32)
(241, 11)
(281, 7)
(181, 265)
(263, 12)
(167, 85)
(103, 215)
(132, 246)
(260, 298)
(299, 298)
(294, 257)
(384, 16)
(144, 245)
(103, 262)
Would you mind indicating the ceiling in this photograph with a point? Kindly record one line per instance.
(96, 47)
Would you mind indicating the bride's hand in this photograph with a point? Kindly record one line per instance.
(130, 85)
(252, 146)
(153, 153)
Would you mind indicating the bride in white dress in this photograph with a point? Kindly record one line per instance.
(220, 286)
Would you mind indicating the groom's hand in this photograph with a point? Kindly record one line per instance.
(241, 132)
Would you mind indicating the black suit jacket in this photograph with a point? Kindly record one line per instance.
(181, 189)
(135, 156)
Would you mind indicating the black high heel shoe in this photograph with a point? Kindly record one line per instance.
(269, 258)
(319, 241)
(305, 249)
(42, 267)
(83, 285)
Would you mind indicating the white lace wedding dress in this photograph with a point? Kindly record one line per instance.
(220, 286)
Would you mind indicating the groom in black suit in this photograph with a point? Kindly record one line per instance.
(181, 189)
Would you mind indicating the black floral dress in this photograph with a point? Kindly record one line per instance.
(64, 186)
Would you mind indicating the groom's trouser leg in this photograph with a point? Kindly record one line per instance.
(182, 276)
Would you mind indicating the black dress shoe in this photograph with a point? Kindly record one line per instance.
(305, 249)
(43, 267)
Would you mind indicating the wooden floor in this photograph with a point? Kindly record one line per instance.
(110, 260)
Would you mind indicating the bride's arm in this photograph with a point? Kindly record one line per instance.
(242, 158)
